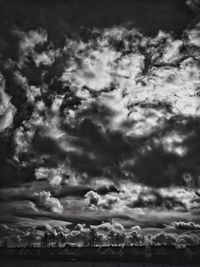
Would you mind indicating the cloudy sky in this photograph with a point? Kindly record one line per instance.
(100, 121)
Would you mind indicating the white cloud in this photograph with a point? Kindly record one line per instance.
(173, 143)
(171, 52)
(45, 58)
(187, 225)
(48, 202)
(176, 86)
(28, 42)
(194, 35)
(94, 200)
(53, 175)
(31, 91)
(7, 110)
(93, 71)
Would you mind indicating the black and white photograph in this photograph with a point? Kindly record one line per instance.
(99, 133)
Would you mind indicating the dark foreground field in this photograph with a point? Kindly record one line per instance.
(38, 263)
(100, 257)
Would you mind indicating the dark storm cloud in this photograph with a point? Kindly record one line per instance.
(170, 168)
(27, 191)
(105, 147)
(105, 152)
(73, 218)
(164, 15)
(45, 145)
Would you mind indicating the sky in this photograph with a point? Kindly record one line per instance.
(99, 122)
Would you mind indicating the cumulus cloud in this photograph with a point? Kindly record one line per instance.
(106, 234)
(94, 71)
(45, 58)
(187, 225)
(138, 199)
(32, 92)
(174, 198)
(28, 42)
(194, 36)
(48, 202)
(94, 200)
(54, 176)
